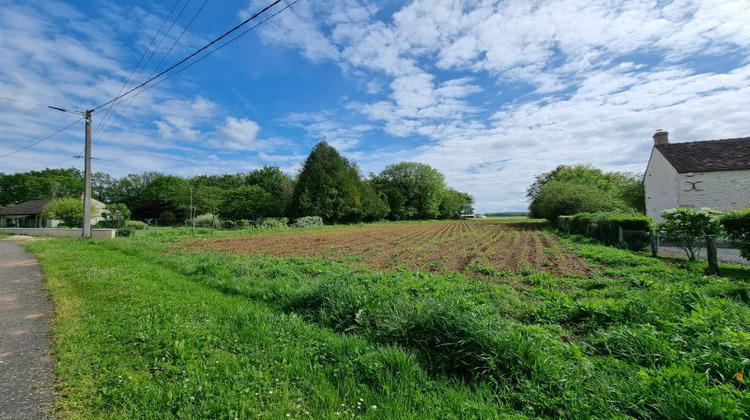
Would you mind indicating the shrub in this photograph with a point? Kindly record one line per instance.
(208, 220)
(308, 221)
(688, 227)
(605, 227)
(273, 223)
(737, 227)
(135, 225)
(124, 232)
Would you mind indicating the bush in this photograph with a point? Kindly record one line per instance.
(135, 225)
(563, 223)
(124, 232)
(208, 220)
(308, 221)
(689, 227)
(605, 227)
(737, 227)
(273, 223)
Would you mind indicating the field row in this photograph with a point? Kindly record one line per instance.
(427, 246)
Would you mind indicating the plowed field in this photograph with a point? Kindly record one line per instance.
(459, 245)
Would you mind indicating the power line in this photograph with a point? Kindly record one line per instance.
(43, 139)
(215, 50)
(138, 64)
(253, 17)
(119, 114)
(41, 105)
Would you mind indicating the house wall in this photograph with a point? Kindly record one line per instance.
(717, 190)
(660, 183)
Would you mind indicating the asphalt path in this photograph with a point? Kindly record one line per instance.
(26, 378)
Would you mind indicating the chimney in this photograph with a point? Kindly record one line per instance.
(661, 137)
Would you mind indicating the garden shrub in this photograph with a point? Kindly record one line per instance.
(273, 223)
(208, 220)
(688, 227)
(308, 221)
(737, 227)
(135, 225)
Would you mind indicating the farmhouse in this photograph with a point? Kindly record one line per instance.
(713, 174)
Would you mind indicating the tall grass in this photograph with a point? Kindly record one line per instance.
(640, 338)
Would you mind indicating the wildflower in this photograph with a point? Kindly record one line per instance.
(374, 407)
(740, 377)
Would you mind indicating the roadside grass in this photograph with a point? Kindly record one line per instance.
(147, 331)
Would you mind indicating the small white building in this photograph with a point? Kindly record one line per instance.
(714, 174)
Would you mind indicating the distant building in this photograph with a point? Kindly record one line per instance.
(713, 174)
(29, 215)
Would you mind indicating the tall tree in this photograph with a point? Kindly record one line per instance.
(327, 186)
(414, 190)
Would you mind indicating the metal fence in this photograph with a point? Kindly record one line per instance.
(726, 251)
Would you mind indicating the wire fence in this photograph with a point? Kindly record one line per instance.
(726, 251)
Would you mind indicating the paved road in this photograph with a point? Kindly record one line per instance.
(26, 379)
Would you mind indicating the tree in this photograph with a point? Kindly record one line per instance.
(276, 183)
(455, 204)
(622, 191)
(69, 210)
(414, 190)
(327, 186)
(689, 227)
(38, 185)
(248, 202)
(374, 205)
(558, 198)
(115, 216)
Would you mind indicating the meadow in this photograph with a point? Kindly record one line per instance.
(357, 322)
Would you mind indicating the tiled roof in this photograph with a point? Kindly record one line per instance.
(28, 208)
(705, 156)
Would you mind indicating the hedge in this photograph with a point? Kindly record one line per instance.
(605, 227)
(737, 227)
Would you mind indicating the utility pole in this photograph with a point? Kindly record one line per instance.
(87, 178)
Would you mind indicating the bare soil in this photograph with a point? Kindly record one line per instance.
(460, 245)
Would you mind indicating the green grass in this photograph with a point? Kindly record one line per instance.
(143, 331)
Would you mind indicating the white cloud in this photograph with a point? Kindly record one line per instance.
(239, 133)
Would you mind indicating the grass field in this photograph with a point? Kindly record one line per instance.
(343, 321)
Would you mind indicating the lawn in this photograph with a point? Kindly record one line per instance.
(163, 325)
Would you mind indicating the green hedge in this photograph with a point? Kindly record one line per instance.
(605, 227)
(737, 227)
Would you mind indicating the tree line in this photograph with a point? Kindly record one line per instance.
(328, 185)
(568, 190)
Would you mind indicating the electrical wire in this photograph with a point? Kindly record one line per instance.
(131, 78)
(214, 50)
(44, 139)
(253, 17)
(119, 114)
(41, 105)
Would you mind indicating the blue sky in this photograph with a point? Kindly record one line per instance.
(490, 93)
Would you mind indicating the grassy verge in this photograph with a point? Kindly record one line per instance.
(142, 331)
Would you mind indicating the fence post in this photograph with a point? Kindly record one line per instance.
(713, 261)
(620, 235)
(654, 244)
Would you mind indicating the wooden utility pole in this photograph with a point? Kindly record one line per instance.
(87, 178)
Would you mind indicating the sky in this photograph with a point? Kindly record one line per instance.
(490, 93)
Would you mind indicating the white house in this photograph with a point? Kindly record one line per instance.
(713, 174)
